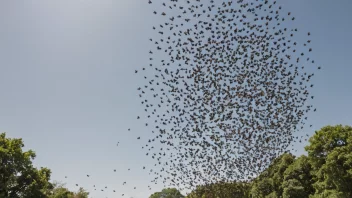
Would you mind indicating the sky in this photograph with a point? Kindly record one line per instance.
(68, 88)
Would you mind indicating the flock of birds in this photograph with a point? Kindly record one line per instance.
(226, 89)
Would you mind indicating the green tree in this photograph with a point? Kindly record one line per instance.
(269, 183)
(201, 192)
(222, 190)
(81, 193)
(60, 191)
(167, 193)
(18, 177)
(330, 154)
(298, 179)
(233, 189)
(325, 141)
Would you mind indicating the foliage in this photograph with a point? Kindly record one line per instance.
(221, 190)
(167, 193)
(60, 191)
(268, 184)
(330, 153)
(298, 179)
(18, 177)
(81, 193)
(325, 141)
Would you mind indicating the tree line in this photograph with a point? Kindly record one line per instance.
(325, 172)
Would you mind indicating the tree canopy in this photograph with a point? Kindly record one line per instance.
(20, 179)
(167, 193)
(330, 154)
(223, 190)
(60, 191)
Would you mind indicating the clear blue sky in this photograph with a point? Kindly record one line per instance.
(67, 83)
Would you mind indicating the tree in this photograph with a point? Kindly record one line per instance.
(18, 177)
(262, 187)
(330, 154)
(81, 193)
(298, 179)
(324, 141)
(269, 182)
(202, 191)
(60, 191)
(167, 193)
(222, 190)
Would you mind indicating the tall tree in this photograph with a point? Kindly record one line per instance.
(330, 154)
(18, 177)
(325, 141)
(297, 181)
(222, 190)
(167, 193)
(81, 193)
(60, 191)
(269, 183)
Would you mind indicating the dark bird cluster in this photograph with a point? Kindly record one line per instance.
(228, 89)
